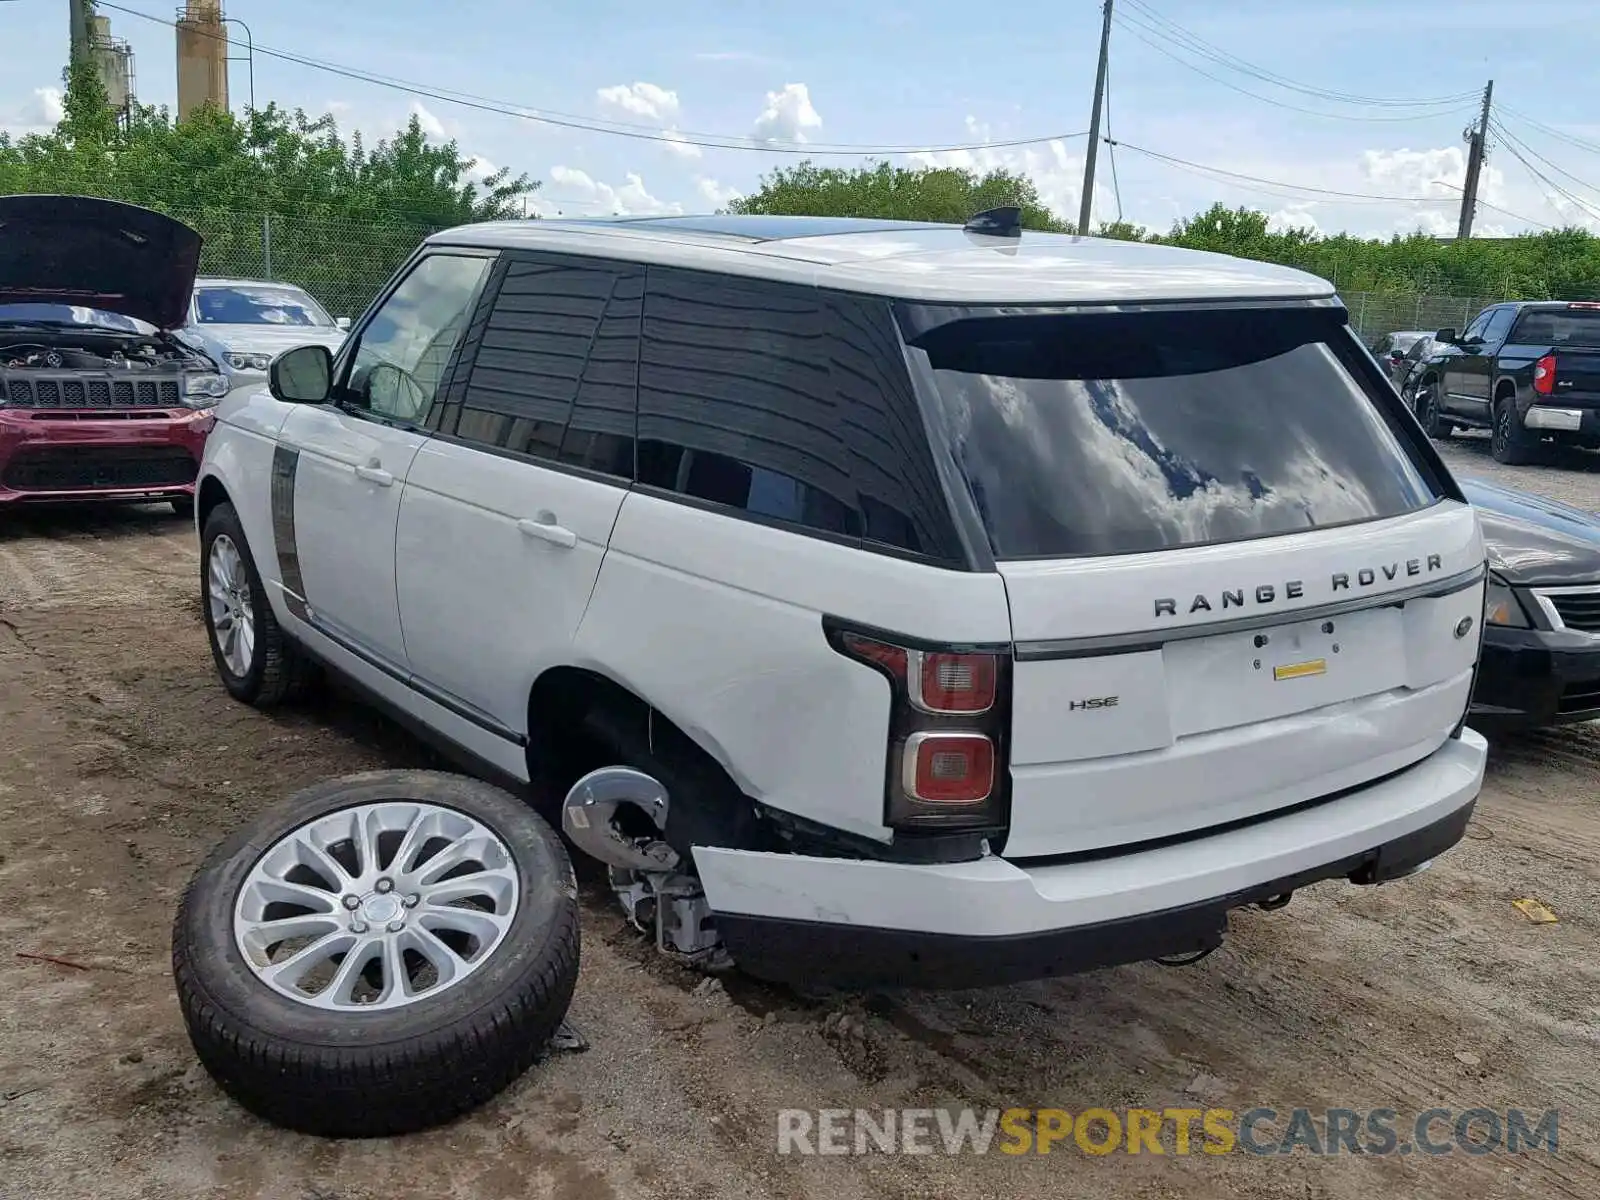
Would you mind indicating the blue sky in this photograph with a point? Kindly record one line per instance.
(931, 74)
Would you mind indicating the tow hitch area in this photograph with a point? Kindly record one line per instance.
(618, 816)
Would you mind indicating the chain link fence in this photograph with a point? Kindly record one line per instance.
(1373, 314)
(342, 263)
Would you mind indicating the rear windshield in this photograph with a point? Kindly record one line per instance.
(1559, 327)
(1126, 432)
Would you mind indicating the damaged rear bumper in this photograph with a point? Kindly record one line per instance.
(856, 923)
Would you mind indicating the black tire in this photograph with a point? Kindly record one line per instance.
(279, 670)
(393, 1071)
(1509, 442)
(183, 506)
(1426, 406)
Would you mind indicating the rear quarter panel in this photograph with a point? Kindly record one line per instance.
(717, 622)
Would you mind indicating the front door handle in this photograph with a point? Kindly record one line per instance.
(373, 473)
(546, 530)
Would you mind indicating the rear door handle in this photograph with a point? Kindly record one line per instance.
(373, 473)
(546, 530)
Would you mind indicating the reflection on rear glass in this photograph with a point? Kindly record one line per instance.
(1119, 433)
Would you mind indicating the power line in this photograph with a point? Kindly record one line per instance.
(1364, 197)
(708, 141)
(1111, 148)
(1552, 131)
(1504, 212)
(1130, 27)
(1499, 128)
(1225, 58)
(1540, 177)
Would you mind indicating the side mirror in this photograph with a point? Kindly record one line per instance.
(303, 375)
(342, 322)
(1447, 336)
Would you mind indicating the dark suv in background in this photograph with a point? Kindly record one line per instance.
(1528, 371)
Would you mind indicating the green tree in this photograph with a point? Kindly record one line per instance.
(887, 192)
(272, 192)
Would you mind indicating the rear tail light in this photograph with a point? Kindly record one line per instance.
(1544, 375)
(947, 730)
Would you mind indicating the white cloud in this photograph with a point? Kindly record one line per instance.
(641, 100)
(715, 194)
(577, 190)
(676, 145)
(40, 113)
(480, 168)
(788, 115)
(1295, 216)
(46, 107)
(431, 125)
(1417, 173)
(1056, 171)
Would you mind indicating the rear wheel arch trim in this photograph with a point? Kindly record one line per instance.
(595, 674)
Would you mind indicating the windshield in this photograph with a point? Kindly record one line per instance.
(1124, 432)
(258, 304)
(71, 314)
(1559, 327)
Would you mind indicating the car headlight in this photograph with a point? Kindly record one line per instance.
(204, 390)
(1501, 606)
(241, 361)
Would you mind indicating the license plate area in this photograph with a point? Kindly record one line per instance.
(1238, 678)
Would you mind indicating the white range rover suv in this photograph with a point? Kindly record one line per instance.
(881, 602)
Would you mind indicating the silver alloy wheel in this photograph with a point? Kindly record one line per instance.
(376, 907)
(233, 614)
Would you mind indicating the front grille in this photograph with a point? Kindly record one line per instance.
(73, 390)
(1577, 610)
(111, 468)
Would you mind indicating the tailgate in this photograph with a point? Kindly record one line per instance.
(1157, 694)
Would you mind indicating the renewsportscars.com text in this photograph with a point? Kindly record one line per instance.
(1167, 1131)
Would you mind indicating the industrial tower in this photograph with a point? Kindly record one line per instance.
(202, 57)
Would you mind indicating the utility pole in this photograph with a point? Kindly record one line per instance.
(1477, 140)
(1087, 203)
(78, 14)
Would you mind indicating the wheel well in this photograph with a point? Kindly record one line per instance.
(211, 494)
(579, 720)
(1505, 388)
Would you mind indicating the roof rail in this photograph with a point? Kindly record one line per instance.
(997, 222)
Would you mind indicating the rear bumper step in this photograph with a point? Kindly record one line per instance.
(853, 923)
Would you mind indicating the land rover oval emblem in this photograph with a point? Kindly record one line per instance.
(1463, 627)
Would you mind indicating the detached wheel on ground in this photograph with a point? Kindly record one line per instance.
(255, 658)
(379, 954)
(1509, 441)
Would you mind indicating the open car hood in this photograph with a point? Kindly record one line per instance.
(97, 254)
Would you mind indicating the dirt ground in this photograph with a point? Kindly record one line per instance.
(122, 761)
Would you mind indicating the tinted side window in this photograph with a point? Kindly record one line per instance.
(787, 404)
(553, 377)
(1479, 324)
(1499, 324)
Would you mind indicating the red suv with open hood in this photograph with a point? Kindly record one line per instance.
(99, 400)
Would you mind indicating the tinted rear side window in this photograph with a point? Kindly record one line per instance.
(1118, 433)
(1559, 327)
(790, 406)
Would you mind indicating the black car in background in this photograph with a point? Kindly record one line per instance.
(1528, 371)
(1541, 642)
